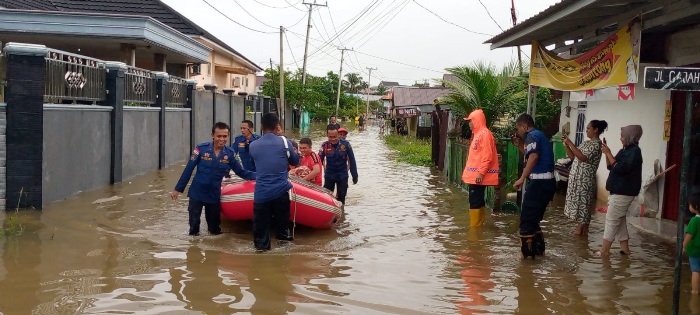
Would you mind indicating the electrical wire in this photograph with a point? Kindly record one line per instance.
(294, 5)
(448, 22)
(352, 22)
(399, 62)
(290, 50)
(274, 7)
(489, 13)
(232, 20)
(254, 18)
(387, 21)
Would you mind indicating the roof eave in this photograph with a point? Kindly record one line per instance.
(507, 38)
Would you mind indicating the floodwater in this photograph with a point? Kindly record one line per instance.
(404, 247)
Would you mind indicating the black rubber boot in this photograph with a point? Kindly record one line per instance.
(527, 246)
(539, 243)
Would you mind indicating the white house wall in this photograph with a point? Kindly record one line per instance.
(647, 110)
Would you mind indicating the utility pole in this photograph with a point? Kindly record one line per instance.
(281, 107)
(369, 86)
(308, 31)
(340, 77)
(515, 21)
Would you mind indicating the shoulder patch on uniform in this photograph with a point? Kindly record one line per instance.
(195, 151)
(314, 157)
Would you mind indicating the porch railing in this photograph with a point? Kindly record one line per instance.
(139, 87)
(175, 92)
(71, 77)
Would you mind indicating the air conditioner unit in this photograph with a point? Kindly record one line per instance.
(236, 82)
(196, 69)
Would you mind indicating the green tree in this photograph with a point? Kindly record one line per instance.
(353, 80)
(381, 90)
(483, 86)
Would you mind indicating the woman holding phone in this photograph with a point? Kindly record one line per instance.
(582, 186)
(624, 183)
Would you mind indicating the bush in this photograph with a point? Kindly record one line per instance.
(411, 150)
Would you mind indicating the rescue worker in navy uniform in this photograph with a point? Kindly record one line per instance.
(213, 161)
(541, 185)
(336, 154)
(272, 154)
(241, 144)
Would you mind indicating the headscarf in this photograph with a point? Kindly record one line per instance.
(632, 133)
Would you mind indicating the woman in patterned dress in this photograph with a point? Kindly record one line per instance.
(582, 187)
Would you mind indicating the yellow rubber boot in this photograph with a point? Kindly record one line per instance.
(482, 216)
(476, 217)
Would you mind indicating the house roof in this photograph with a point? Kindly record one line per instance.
(389, 83)
(417, 96)
(153, 8)
(588, 20)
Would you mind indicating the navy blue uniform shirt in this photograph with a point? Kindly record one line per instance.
(241, 147)
(537, 142)
(272, 162)
(211, 169)
(336, 157)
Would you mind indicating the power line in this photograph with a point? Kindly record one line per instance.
(232, 20)
(254, 18)
(290, 50)
(398, 62)
(489, 13)
(448, 22)
(274, 7)
(295, 5)
(387, 21)
(353, 21)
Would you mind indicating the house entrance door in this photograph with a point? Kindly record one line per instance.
(675, 151)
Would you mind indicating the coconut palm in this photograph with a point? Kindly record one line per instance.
(483, 86)
(354, 80)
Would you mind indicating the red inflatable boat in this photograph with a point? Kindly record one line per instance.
(311, 205)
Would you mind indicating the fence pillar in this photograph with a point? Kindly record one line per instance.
(229, 92)
(212, 88)
(191, 87)
(26, 72)
(161, 82)
(115, 98)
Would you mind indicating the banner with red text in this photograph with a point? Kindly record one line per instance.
(613, 62)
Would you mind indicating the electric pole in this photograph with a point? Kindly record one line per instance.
(281, 107)
(369, 87)
(306, 47)
(340, 77)
(515, 21)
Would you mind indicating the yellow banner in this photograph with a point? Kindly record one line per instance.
(613, 62)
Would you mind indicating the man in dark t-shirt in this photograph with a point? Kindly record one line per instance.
(333, 123)
(541, 185)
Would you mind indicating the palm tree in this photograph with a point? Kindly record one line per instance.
(354, 80)
(381, 90)
(483, 86)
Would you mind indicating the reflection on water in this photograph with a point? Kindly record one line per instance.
(403, 247)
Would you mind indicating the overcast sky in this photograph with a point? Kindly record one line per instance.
(413, 43)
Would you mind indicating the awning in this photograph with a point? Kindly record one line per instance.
(405, 112)
(233, 69)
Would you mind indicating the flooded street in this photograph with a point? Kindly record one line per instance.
(404, 247)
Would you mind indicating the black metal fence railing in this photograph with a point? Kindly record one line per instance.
(71, 77)
(175, 92)
(139, 87)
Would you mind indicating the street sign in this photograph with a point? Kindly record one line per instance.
(672, 78)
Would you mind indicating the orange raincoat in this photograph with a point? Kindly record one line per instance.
(482, 158)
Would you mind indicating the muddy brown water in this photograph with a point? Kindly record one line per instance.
(404, 247)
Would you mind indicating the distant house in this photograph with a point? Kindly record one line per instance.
(415, 105)
(142, 33)
(389, 84)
